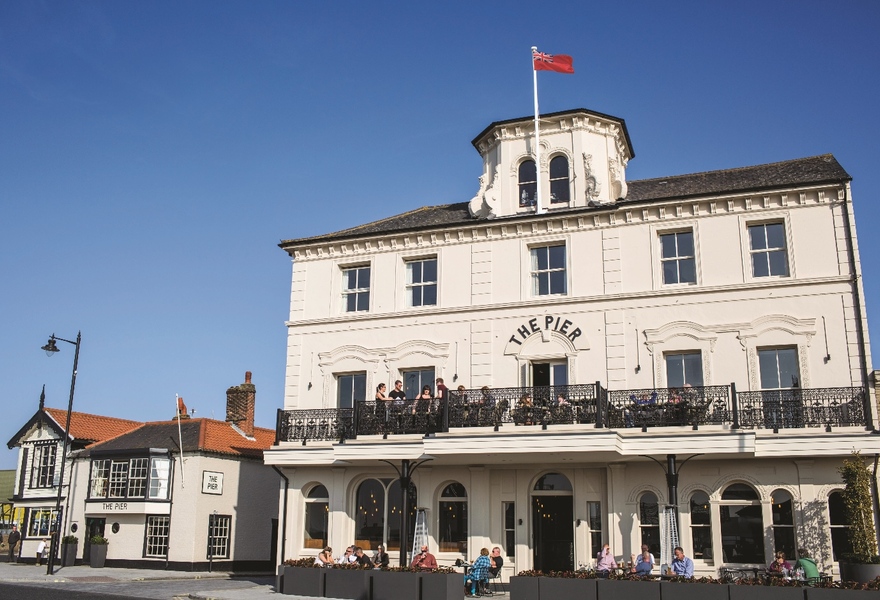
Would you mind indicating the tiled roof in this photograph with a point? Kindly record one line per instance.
(198, 435)
(803, 171)
(88, 428)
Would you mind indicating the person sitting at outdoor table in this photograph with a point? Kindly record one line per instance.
(605, 562)
(380, 559)
(807, 565)
(325, 557)
(644, 564)
(478, 572)
(647, 550)
(345, 558)
(681, 565)
(496, 560)
(779, 566)
(361, 558)
(424, 560)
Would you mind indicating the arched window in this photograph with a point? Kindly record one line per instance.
(701, 525)
(553, 482)
(559, 188)
(453, 519)
(317, 514)
(840, 543)
(742, 526)
(528, 183)
(377, 517)
(649, 521)
(783, 523)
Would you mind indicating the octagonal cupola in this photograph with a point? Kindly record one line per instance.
(582, 162)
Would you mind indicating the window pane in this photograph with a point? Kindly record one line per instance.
(649, 512)
(553, 481)
(837, 509)
(415, 271)
(416, 296)
(778, 263)
(319, 491)
(527, 171)
(670, 272)
(429, 297)
(559, 167)
(363, 301)
(667, 245)
(557, 282)
(159, 475)
(769, 371)
(453, 522)
(559, 191)
(687, 269)
(557, 257)
(364, 277)
(788, 368)
(543, 284)
(700, 514)
(702, 541)
(782, 509)
(685, 243)
(756, 235)
(429, 270)
(760, 268)
(351, 279)
(369, 525)
(528, 194)
(742, 534)
(775, 235)
(560, 374)
(675, 370)
(739, 491)
(317, 514)
(693, 369)
(542, 255)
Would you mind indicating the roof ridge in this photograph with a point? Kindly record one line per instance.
(734, 169)
(85, 414)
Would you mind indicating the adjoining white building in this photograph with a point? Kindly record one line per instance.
(711, 325)
(182, 494)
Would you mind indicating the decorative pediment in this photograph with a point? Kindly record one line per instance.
(687, 329)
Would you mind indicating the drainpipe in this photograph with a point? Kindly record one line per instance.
(857, 306)
(283, 523)
(876, 495)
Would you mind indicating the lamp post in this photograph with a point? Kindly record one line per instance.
(51, 348)
(405, 473)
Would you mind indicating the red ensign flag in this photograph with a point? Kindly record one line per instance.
(561, 63)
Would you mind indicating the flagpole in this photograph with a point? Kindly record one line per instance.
(538, 204)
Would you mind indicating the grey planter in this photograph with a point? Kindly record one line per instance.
(389, 585)
(558, 588)
(442, 586)
(303, 581)
(524, 588)
(609, 589)
(832, 594)
(68, 554)
(765, 592)
(676, 590)
(858, 572)
(98, 555)
(351, 584)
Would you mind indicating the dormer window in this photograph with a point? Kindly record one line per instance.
(559, 188)
(528, 183)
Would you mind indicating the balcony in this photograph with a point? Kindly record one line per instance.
(586, 405)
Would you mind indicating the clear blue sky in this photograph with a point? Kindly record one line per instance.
(153, 154)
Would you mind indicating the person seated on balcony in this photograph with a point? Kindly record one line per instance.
(605, 562)
(461, 393)
(779, 566)
(361, 558)
(524, 410)
(681, 565)
(381, 558)
(478, 573)
(325, 557)
(806, 565)
(644, 564)
(561, 410)
(424, 560)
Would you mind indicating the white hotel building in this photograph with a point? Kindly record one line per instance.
(712, 324)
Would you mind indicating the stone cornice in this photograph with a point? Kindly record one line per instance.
(526, 226)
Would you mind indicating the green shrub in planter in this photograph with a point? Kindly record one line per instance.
(98, 540)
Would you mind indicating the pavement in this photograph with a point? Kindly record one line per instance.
(215, 584)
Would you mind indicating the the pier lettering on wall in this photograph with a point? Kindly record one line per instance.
(551, 323)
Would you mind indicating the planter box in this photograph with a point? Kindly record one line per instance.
(558, 588)
(821, 594)
(68, 554)
(524, 588)
(303, 581)
(609, 589)
(765, 592)
(671, 590)
(395, 586)
(98, 555)
(441, 586)
(350, 584)
(858, 572)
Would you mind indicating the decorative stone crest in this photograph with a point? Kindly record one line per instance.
(593, 186)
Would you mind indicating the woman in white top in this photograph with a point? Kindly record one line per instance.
(325, 557)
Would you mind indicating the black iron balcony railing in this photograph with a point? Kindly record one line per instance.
(585, 404)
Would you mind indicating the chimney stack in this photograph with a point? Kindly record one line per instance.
(240, 401)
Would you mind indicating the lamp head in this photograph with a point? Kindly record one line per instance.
(51, 347)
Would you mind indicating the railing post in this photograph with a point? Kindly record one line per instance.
(356, 418)
(444, 426)
(278, 415)
(600, 406)
(734, 403)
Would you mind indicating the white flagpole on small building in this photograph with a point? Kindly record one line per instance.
(180, 438)
(539, 206)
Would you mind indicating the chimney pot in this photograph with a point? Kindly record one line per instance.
(247, 376)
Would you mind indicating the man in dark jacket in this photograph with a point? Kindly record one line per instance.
(362, 559)
(13, 539)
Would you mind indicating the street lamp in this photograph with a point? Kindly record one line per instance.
(51, 348)
(404, 474)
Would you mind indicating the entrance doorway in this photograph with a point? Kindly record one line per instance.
(545, 374)
(553, 524)
(93, 527)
